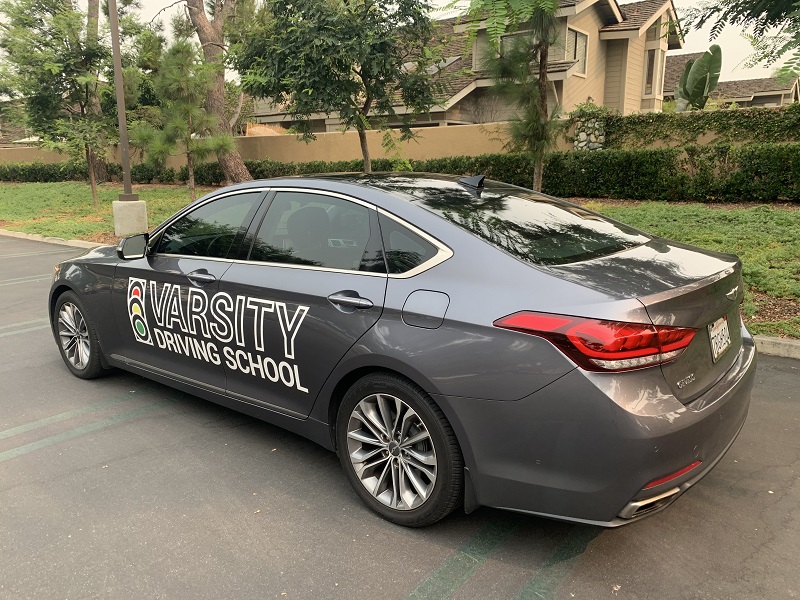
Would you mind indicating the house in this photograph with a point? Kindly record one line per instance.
(607, 53)
(768, 91)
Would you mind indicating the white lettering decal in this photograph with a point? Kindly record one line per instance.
(198, 305)
(193, 324)
(289, 328)
(221, 327)
(260, 308)
(160, 305)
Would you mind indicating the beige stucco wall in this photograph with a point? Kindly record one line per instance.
(30, 154)
(578, 88)
(433, 142)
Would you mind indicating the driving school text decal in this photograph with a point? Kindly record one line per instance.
(213, 328)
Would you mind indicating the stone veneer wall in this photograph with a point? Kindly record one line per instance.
(590, 135)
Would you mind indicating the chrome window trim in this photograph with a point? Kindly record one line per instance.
(305, 190)
(443, 252)
(159, 229)
(307, 267)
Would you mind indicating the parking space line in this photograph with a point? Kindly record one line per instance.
(462, 564)
(41, 252)
(7, 433)
(558, 565)
(21, 280)
(7, 333)
(73, 433)
(21, 323)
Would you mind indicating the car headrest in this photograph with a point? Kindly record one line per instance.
(308, 227)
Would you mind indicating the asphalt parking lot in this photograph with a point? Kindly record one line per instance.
(123, 488)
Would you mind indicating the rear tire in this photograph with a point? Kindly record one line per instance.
(398, 451)
(76, 337)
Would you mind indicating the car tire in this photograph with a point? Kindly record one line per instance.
(414, 475)
(76, 337)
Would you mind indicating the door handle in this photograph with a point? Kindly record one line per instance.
(200, 277)
(345, 299)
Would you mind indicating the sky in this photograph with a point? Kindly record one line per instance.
(735, 49)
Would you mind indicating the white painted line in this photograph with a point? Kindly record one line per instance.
(65, 250)
(33, 279)
(7, 333)
(21, 323)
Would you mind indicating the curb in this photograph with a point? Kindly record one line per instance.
(772, 346)
(49, 240)
(769, 346)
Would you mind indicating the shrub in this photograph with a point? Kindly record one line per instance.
(765, 172)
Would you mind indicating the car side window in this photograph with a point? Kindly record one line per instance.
(405, 250)
(305, 228)
(210, 229)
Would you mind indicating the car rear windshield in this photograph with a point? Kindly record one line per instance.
(527, 225)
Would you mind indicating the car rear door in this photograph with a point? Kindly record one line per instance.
(163, 303)
(311, 282)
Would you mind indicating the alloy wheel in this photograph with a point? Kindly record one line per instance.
(74, 335)
(391, 451)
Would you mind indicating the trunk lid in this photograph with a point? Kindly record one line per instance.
(679, 286)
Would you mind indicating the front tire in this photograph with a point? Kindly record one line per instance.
(76, 336)
(398, 451)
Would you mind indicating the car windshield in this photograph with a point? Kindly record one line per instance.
(527, 225)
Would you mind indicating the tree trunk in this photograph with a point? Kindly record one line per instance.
(362, 138)
(544, 52)
(538, 172)
(90, 163)
(190, 174)
(212, 40)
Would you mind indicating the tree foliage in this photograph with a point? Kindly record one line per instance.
(503, 16)
(516, 78)
(53, 62)
(772, 26)
(354, 59)
(699, 79)
(182, 82)
(520, 67)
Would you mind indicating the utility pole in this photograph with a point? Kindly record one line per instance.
(130, 213)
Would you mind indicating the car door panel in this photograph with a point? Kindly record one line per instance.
(164, 303)
(304, 303)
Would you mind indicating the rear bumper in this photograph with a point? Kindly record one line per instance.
(583, 448)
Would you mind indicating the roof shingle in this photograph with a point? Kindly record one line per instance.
(636, 14)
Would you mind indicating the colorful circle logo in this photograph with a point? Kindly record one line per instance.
(137, 289)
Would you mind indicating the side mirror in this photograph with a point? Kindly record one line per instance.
(134, 246)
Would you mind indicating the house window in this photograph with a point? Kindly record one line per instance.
(650, 67)
(577, 44)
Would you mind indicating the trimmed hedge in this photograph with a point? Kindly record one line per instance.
(753, 172)
(39, 172)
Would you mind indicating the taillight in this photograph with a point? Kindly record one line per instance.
(598, 345)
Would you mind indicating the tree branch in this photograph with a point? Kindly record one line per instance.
(238, 112)
(163, 9)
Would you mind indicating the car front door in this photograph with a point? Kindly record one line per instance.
(312, 283)
(163, 302)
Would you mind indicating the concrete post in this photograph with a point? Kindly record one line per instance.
(130, 213)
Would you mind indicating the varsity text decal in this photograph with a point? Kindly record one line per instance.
(212, 329)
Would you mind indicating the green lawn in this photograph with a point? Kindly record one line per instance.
(65, 209)
(766, 238)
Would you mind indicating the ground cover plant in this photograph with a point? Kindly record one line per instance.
(766, 237)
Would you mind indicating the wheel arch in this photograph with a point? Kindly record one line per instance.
(55, 293)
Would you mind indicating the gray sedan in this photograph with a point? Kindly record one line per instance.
(455, 341)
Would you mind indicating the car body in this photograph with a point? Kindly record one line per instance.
(551, 361)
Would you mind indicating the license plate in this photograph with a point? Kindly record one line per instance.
(720, 337)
